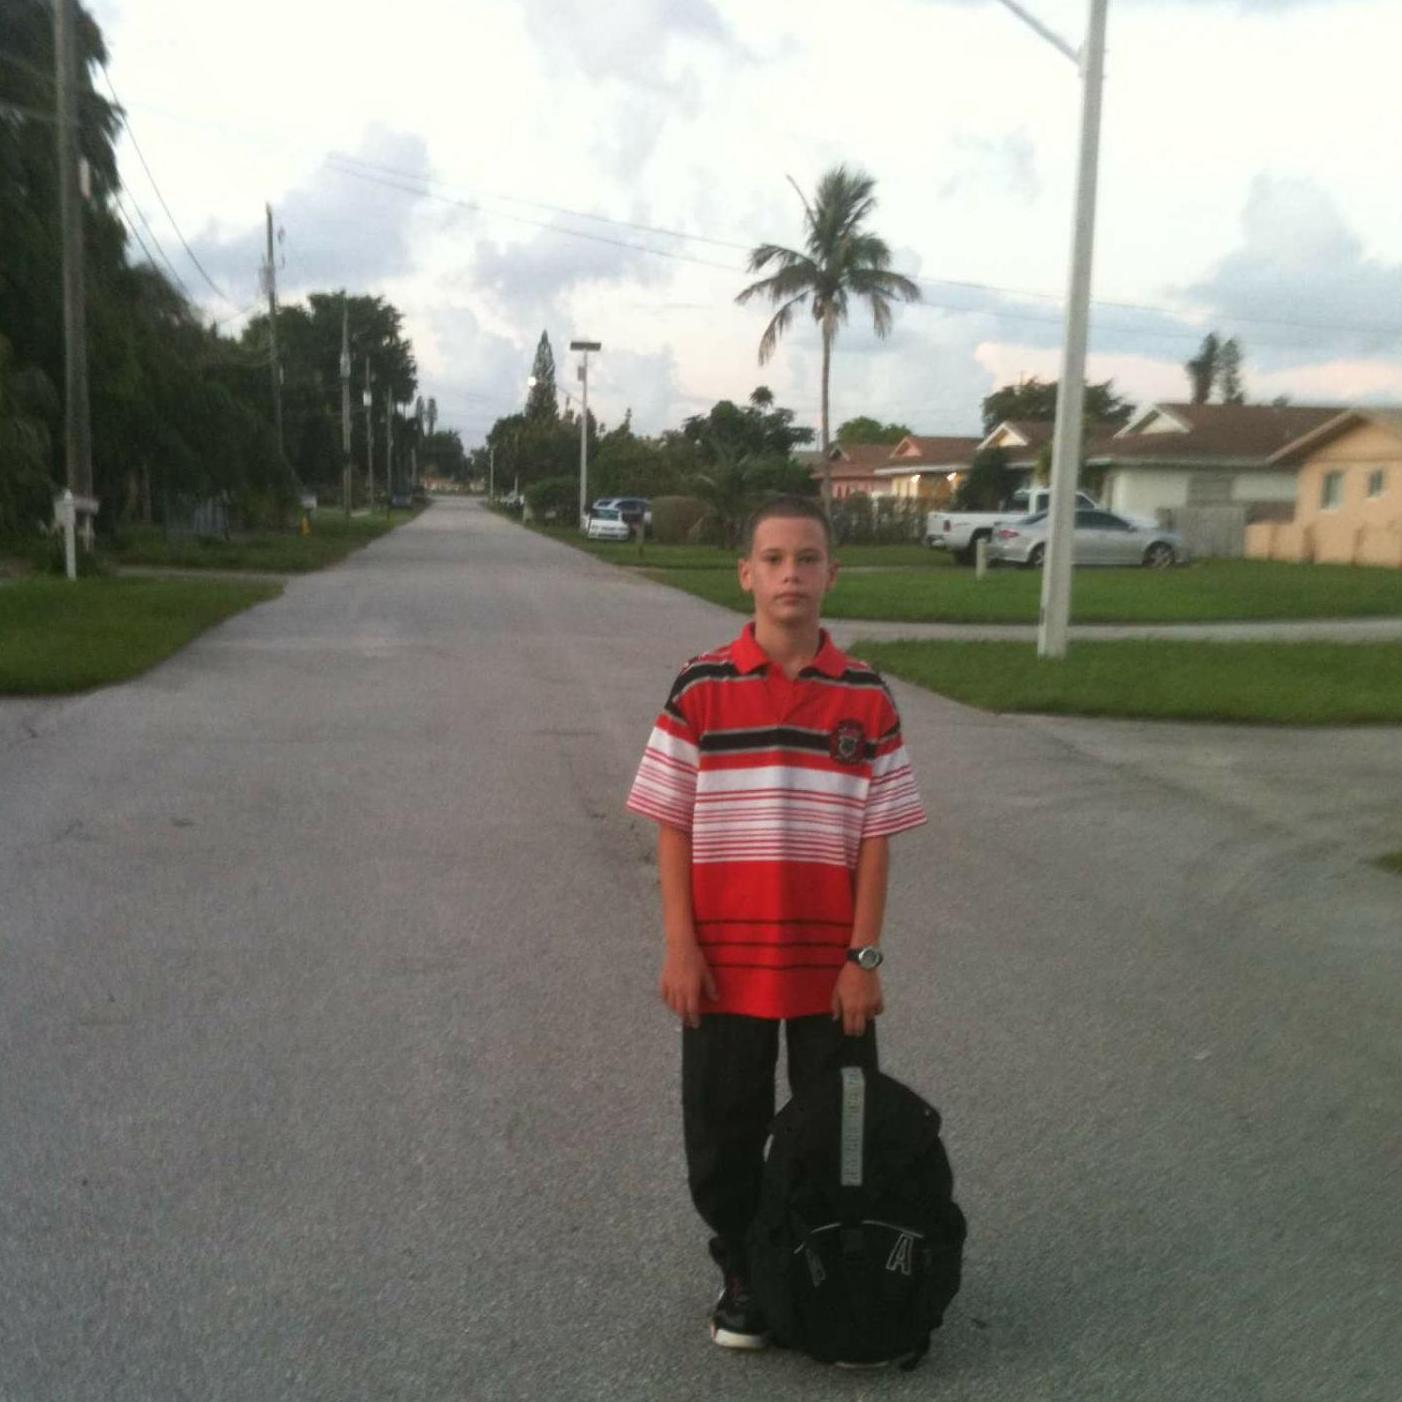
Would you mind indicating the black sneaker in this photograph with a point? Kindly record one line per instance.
(736, 1321)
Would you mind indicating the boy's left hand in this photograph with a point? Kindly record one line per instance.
(857, 998)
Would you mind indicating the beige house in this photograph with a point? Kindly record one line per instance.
(926, 469)
(1348, 498)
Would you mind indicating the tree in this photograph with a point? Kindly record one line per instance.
(1035, 399)
(1205, 367)
(25, 486)
(866, 430)
(1229, 372)
(541, 403)
(987, 484)
(840, 260)
(756, 430)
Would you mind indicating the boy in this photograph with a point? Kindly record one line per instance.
(776, 773)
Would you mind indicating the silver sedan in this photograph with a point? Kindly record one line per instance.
(1101, 538)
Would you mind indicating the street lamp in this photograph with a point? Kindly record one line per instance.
(1070, 399)
(585, 347)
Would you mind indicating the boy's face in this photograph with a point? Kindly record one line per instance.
(788, 570)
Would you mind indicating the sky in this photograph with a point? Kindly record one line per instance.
(501, 167)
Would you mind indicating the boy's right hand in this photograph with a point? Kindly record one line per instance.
(685, 981)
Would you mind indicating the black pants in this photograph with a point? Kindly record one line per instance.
(728, 1101)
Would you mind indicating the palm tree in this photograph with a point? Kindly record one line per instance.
(840, 260)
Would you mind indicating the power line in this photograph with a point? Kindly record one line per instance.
(136, 146)
(146, 224)
(136, 233)
(366, 167)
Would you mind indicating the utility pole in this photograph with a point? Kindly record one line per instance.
(586, 347)
(345, 407)
(77, 422)
(389, 452)
(369, 440)
(270, 277)
(491, 472)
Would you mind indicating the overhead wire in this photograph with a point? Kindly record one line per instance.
(423, 185)
(136, 146)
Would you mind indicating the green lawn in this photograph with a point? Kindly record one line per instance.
(277, 552)
(1391, 862)
(712, 557)
(57, 636)
(1263, 683)
(1214, 591)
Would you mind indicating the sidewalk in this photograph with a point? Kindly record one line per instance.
(1312, 630)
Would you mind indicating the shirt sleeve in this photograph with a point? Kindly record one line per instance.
(893, 801)
(664, 788)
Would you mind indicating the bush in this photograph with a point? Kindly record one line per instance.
(674, 518)
(863, 520)
(554, 498)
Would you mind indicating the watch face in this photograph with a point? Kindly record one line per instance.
(869, 958)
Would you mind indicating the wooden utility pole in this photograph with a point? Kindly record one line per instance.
(389, 450)
(369, 440)
(77, 424)
(345, 407)
(270, 276)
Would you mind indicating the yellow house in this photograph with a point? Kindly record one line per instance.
(1348, 501)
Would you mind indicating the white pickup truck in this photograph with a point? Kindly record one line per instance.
(959, 532)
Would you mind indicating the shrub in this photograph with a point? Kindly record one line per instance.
(553, 498)
(863, 520)
(674, 518)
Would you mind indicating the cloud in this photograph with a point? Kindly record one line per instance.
(339, 231)
(530, 281)
(624, 39)
(1300, 263)
(996, 166)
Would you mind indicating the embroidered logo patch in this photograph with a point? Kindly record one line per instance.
(848, 742)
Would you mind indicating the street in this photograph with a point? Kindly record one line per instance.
(333, 1066)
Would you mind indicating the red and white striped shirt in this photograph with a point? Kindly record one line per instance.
(777, 782)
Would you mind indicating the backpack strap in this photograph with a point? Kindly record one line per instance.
(852, 1157)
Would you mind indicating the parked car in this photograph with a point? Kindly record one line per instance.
(959, 532)
(1100, 538)
(608, 524)
(634, 510)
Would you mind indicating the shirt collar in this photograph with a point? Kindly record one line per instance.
(748, 656)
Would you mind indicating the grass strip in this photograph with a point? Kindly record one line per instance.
(57, 636)
(1253, 683)
(1390, 861)
(714, 557)
(1216, 591)
(332, 538)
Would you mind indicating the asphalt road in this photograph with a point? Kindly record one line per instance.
(331, 1067)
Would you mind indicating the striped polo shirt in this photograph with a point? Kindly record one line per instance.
(778, 782)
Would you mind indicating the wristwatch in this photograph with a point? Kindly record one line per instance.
(867, 957)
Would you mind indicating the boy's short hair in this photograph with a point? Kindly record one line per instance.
(805, 508)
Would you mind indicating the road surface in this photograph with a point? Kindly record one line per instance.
(332, 1065)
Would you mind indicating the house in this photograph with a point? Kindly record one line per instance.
(1178, 455)
(1348, 500)
(925, 468)
(1023, 443)
(854, 467)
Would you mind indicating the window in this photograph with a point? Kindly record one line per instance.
(1377, 482)
(1331, 494)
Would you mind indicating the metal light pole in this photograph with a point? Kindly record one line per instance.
(585, 347)
(1070, 399)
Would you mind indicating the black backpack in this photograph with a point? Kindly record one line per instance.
(856, 1249)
